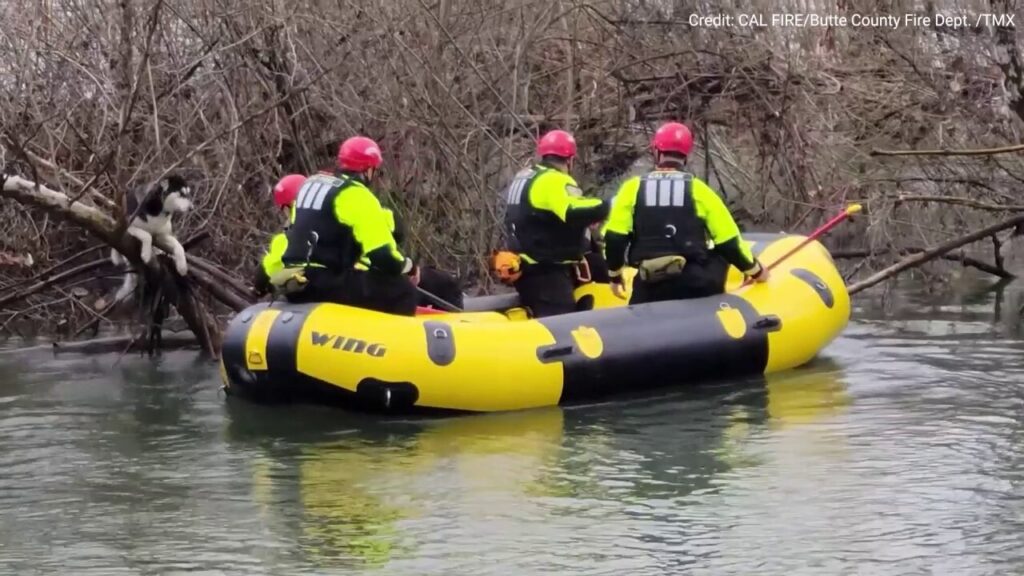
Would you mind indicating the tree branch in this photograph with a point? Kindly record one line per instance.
(42, 285)
(88, 217)
(947, 152)
(932, 253)
(234, 127)
(60, 173)
(994, 269)
(961, 201)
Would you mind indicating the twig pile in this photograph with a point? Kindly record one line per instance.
(97, 95)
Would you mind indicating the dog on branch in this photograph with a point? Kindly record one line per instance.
(154, 206)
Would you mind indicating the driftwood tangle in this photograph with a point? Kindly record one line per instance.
(161, 284)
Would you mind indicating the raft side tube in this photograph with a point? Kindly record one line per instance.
(655, 345)
(482, 361)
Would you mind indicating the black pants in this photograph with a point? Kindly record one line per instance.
(696, 281)
(547, 289)
(391, 293)
(440, 284)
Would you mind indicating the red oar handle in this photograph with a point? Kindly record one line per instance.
(849, 211)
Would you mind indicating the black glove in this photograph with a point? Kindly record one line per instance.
(261, 283)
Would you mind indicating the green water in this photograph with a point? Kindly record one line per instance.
(899, 451)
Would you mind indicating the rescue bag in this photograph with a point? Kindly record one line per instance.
(661, 268)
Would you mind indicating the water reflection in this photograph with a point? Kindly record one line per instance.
(355, 487)
(900, 450)
(361, 494)
(809, 394)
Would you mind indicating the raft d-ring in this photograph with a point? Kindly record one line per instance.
(440, 333)
(820, 285)
(286, 317)
(724, 306)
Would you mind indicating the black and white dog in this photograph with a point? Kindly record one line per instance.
(160, 201)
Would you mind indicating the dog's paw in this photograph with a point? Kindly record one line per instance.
(181, 266)
(146, 254)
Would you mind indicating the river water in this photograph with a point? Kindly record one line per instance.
(900, 450)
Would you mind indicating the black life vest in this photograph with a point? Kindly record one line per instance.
(316, 233)
(539, 234)
(665, 220)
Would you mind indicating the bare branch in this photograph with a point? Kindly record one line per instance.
(934, 252)
(960, 201)
(947, 152)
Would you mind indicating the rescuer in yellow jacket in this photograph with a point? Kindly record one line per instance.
(285, 192)
(341, 239)
(546, 222)
(663, 220)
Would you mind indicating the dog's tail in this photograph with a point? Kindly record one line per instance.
(117, 258)
(127, 288)
(130, 280)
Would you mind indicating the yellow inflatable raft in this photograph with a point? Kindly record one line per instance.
(484, 361)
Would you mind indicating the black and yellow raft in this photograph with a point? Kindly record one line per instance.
(485, 361)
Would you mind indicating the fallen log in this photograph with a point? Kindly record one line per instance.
(58, 174)
(220, 290)
(99, 316)
(237, 295)
(994, 269)
(932, 253)
(159, 275)
(109, 344)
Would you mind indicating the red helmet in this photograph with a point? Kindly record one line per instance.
(557, 143)
(359, 154)
(287, 189)
(673, 137)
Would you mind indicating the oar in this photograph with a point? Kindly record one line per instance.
(439, 301)
(849, 211)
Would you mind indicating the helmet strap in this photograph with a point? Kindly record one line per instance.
(663, 160)
(363, 176)
(557, 163)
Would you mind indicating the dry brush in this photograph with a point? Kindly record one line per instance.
(99, 95)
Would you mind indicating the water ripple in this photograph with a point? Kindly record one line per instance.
(900, 450)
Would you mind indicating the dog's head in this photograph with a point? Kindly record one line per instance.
(176, 194)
